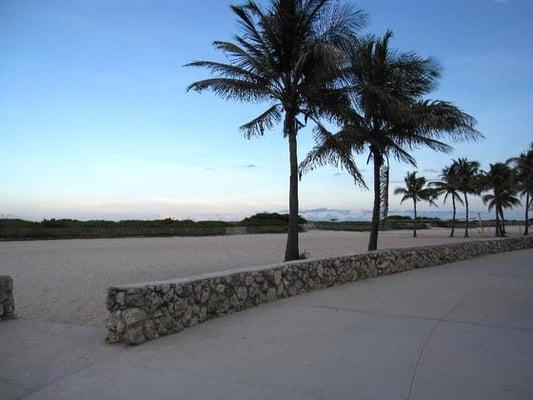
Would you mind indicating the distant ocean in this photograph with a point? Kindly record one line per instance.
(327, 214)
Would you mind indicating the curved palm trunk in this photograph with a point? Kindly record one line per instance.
(498, 230)
(502, 222)
(385, 178)
(526, 229)
(292, 251)
(453, 217)
(466, 220)
(374, 229)
(414, 225)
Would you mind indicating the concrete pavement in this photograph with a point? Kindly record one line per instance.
(459, 331)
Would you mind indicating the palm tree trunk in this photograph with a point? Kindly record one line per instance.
(414, 225)
(385, 178)
(503, 222)
(374, 229)
(453, 217)
(526, 229)
(497, 222)
(292, 251)
(466, 220)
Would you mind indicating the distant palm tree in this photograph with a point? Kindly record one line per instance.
(416, 190)
(500, 179)
(448, 186)
(287, 55)
(388, 115)
(468, 182)
(523, 165)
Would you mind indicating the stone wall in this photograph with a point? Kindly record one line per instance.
(7, 304)
(141, 312)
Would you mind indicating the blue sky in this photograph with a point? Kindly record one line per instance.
(95, 121)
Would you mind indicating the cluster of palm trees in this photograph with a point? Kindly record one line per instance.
(500, 188)
(309, 62)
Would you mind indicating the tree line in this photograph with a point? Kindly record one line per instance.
(17, 229)
(311, 63)
(500, 188)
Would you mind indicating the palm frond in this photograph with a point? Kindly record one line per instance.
(254, 60)
(399, 190)
(489, 200)
(399, 153)
(227, 70)
(338, 22)
(442, 119)
(333, 150)
(263, 122)
(234, 89)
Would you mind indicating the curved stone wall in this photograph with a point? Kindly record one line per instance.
(145, 311)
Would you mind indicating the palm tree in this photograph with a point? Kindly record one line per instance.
(287, 55)
(467, 182)
(388, 115)
(448, 186)
(500, 179)
(500, 201)
(523, 165)
(416, 190)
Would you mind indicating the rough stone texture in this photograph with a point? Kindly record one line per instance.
(7, 304)
(145, 311)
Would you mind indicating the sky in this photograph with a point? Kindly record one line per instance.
(95, 121)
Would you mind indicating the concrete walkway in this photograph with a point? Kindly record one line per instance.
(461, 331)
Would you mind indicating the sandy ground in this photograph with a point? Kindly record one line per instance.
(66, 280)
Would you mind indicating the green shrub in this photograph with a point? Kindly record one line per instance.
(270, 219)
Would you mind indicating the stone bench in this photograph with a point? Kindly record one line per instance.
(146, 311)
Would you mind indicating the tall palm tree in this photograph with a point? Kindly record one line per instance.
(287, 55)
(448, 186)
(388, 115)
(500, 179)
(523, 165)
(468, 182)
(416, 190)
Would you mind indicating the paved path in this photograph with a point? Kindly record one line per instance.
(461, 331)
